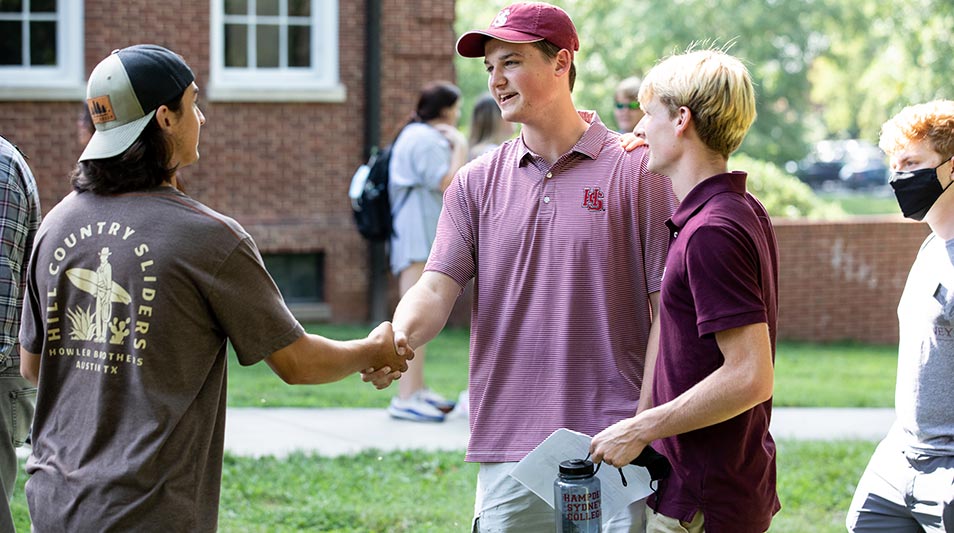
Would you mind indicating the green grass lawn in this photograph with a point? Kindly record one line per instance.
(258, 386)
(834, 375)
(806, 375)
(434, 491)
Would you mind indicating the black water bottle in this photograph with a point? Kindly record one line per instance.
(576, 493)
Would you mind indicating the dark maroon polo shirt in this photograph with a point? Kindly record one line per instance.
(721, 273)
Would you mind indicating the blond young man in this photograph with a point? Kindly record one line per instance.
(908, 485)
(713, 378)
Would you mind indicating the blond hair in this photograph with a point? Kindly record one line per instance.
(933, 121)
(715, 86)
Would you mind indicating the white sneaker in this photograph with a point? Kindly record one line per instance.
(462, 409)
(415, 409)
(442, 404)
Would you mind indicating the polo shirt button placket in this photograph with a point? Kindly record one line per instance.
(547, 189)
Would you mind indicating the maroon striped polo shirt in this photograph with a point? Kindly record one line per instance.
(564, 258)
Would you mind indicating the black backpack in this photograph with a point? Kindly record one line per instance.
(369, 197)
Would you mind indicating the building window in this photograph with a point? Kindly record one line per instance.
(301, 278)
(41, 50)
(275, 50)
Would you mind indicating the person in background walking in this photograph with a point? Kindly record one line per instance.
(424, 158)
(909, 482)
(84, 127)
(19, 220)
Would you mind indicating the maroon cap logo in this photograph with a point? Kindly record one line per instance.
(501, 18)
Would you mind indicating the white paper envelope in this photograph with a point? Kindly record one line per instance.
(540, 468)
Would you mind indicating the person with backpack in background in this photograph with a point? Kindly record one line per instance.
(424, 158)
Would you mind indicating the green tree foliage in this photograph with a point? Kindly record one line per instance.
(783, 195)
(822, 68)
(878, 58)
(623, 38)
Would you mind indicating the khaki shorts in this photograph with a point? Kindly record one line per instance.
(659, 523)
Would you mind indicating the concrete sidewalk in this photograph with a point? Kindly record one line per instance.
(341, 431)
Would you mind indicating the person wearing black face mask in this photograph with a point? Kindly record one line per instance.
(918, 190)
(909, 482)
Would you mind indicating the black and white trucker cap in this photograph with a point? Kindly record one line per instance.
(125, 90)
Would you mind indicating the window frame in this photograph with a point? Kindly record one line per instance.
(320, 82)
(65, 81)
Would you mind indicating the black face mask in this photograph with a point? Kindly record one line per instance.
(917, 190)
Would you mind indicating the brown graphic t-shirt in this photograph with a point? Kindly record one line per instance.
(130, 302)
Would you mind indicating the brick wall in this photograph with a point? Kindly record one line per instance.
(838, 280)
(281, 169)
(842, 280)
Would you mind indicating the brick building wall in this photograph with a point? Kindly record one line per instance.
(838, 280)
(280, 169)
(843, 280)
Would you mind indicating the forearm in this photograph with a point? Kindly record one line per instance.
(423, 311)
(458, 159)
(30, 366)
(313, 359)
(724, 394)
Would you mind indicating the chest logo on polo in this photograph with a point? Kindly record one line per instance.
(593, 199)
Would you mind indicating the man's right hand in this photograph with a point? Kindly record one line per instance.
(394, 353)
(388, 352)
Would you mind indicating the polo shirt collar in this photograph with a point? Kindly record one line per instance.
(733, 182)
(590, 144)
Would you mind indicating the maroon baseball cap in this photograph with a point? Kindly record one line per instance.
(526, 22)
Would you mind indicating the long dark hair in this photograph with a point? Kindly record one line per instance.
(144, 165)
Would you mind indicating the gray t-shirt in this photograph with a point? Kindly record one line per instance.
(130, 300)
(420, 159)
(926, 352)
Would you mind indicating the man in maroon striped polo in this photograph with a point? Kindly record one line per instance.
(564, 234)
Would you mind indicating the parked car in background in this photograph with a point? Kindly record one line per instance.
(852, 163)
